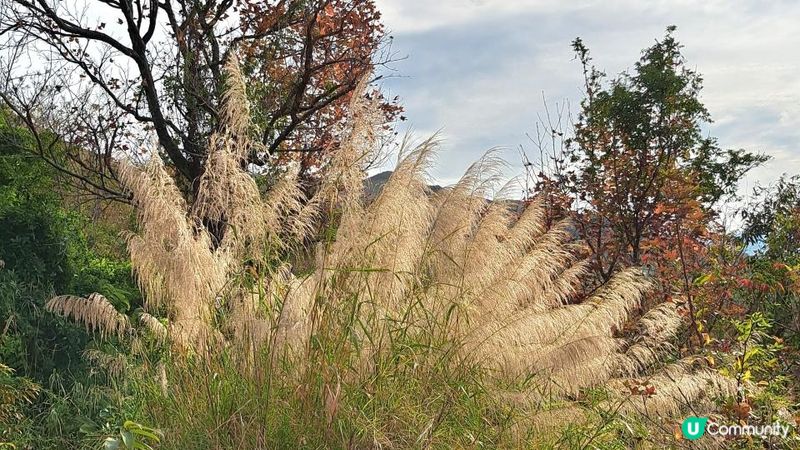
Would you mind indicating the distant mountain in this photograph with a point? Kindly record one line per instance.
(374, 184)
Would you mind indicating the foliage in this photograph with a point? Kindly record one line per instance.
(757, 360)
(16, 394)
(778, 202)
(772, 230)
(637, 170)
(336, 47)
(423, 312)
(45, 248)
(642, 184)
(416, 318)
(36, 249)
(302, 58)
(128, 436)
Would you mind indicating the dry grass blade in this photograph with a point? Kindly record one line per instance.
(655, 332)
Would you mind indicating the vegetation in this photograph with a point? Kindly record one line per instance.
(263, 313)
(158, 66)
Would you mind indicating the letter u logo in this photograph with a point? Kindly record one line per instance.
(694, 427)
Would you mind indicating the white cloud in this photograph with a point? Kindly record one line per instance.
(477, 69)
(414, 16)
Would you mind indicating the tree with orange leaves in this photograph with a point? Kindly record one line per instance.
(640, 181)
(305, 76)
(641, 177)
(138, 65)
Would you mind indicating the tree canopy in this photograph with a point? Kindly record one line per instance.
(99, 74)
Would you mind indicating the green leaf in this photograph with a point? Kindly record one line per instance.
(146, 432)
(141, 430)
(128, 439)
(699, 281)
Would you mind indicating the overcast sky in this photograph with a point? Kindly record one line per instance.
(478, 70)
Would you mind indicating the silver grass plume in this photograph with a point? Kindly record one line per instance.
(95, 312)
(502, 284)
(173, 257)
(513, 281)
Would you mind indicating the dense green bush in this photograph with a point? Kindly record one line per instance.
(45, 249)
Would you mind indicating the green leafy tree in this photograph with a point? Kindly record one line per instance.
(769, 218)
(638, 170)
(772, 231)
(44, 250)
